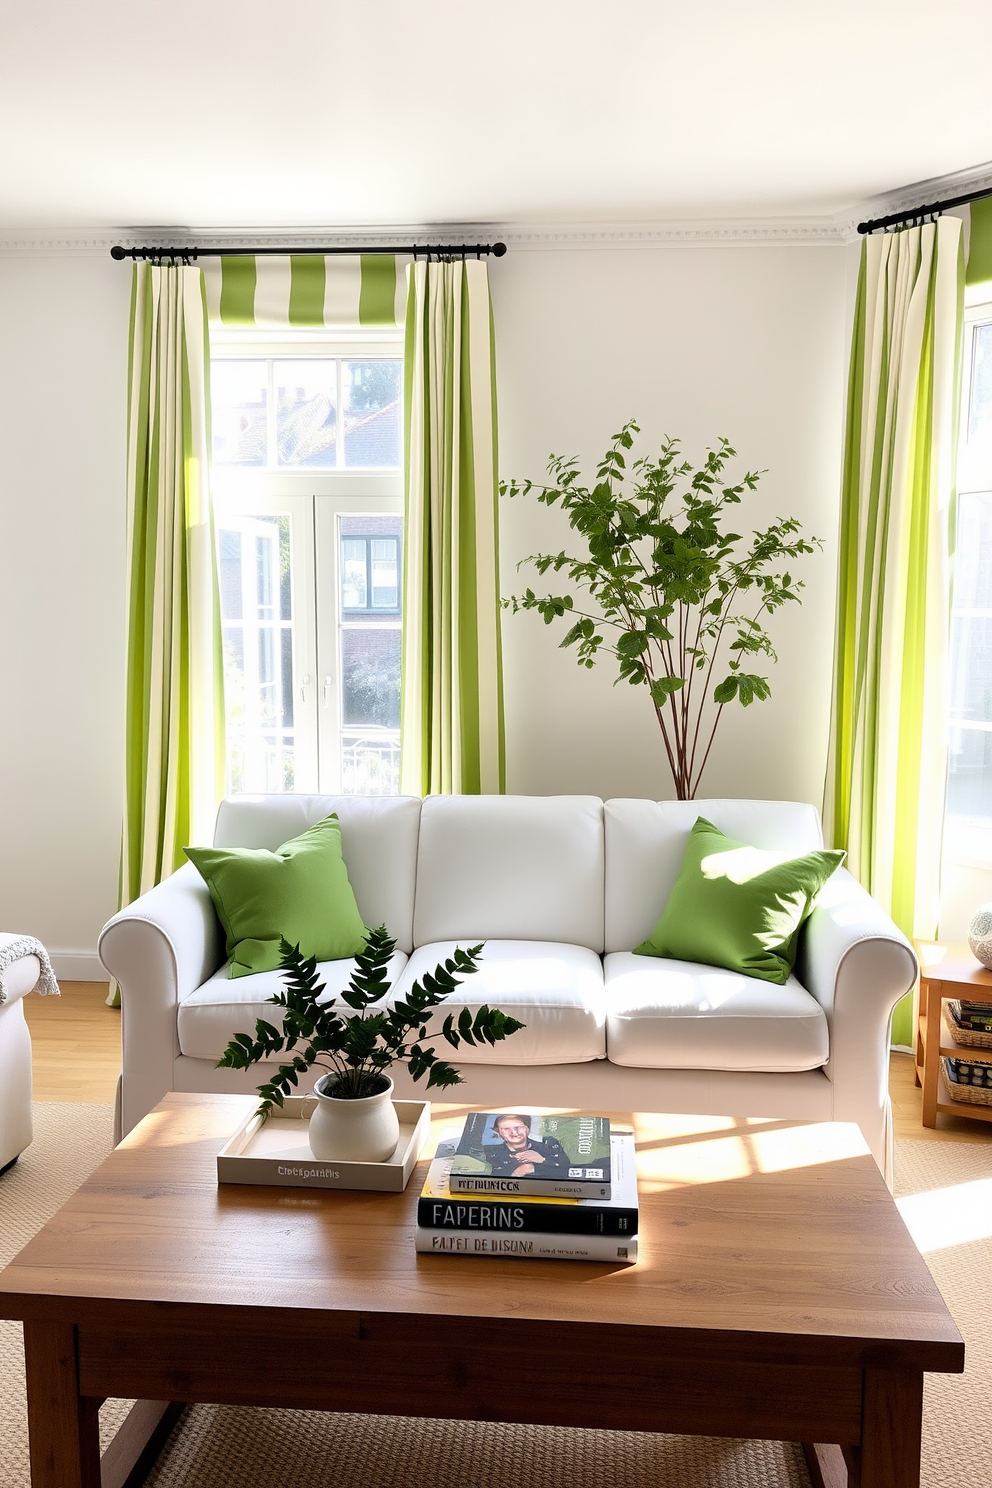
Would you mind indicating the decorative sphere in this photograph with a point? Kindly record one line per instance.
(980, 934)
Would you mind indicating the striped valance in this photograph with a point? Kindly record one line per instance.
(334, 291)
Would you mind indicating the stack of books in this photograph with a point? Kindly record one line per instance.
(532, 1185)
(976, 1017)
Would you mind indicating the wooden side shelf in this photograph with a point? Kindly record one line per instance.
(948, 973)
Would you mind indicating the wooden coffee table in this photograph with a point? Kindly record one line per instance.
(777, 1294)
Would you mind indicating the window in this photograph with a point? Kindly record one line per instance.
(969, 775)
(306, 473)
(257, 621)
(317, 413)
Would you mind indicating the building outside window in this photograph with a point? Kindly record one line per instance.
(307, 483)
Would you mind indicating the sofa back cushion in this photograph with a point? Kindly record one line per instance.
(646, 840)
(511, 868)
(378, 843)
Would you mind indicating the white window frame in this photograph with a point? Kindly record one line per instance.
(970, 845)
(314, 500)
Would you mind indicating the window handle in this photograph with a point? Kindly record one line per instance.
(304, 684)
(328, 684)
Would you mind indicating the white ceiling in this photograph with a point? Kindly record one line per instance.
(315, 113)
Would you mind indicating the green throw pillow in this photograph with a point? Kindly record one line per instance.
(301, 891)
(738, 906)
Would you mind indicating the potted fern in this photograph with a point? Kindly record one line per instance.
(355, 1119)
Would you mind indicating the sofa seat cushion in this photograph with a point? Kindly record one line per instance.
(682, 1015)
(556, 990)
(211, 1016)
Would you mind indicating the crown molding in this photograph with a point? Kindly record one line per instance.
(41, 242)
(714, 232)
(536, 236)
(918, 193)
(836, 229)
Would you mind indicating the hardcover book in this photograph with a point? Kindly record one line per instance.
(521, 1152)
(439, 1209)
(533, 1247)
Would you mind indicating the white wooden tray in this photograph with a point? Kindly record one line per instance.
(277, 1152)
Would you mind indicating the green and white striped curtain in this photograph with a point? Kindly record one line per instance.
(452, 696)
(298, 290)
(979, 270)
(174, 759)
(887, 758)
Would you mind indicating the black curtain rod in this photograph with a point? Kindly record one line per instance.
(419, 250)
(933, 210)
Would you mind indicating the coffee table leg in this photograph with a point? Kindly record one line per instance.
(891, 1428)
(64, 1427)
(826, 1465)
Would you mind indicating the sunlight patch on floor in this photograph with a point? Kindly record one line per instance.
(943, 1217)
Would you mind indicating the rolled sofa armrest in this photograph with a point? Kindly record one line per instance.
(857, 964)
(159, 950)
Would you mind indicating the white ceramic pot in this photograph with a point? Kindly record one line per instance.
(365, 1130)
(980, 934)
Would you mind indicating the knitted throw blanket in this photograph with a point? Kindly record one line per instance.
(12, 948)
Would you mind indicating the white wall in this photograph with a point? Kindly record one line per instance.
(63, 365)
(696, 342)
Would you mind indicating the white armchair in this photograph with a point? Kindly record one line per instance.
(19, 974)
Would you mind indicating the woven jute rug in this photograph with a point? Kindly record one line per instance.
(225, 1447)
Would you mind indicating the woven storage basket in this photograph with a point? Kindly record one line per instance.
(968, 1036)
(971, 1095)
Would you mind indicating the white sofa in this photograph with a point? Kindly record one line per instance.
(19, 978)
(560, 888)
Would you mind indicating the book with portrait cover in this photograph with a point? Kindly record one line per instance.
(525, 1152)
(439, 1209)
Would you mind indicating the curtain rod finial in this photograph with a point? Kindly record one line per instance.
(498, 250)
(118, 252)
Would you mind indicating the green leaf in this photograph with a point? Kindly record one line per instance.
(663, 687)
(751, 688)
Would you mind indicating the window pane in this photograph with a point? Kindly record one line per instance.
(238, 407)
(370, 676)
(354, 574)
(973, 552)
(969, 769)
(371, 549)
(372, 394)
(980, 403)
(385, 574)
(258, 652)
(969, 775)
(306, 413)
(229, 559)
(370, 764)
(971, 669)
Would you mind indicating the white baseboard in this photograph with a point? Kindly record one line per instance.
(77, 966)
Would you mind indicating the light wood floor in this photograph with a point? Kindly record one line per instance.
(76, 1041)
(77, 1057)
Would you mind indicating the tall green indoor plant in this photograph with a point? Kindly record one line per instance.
(677, 601)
